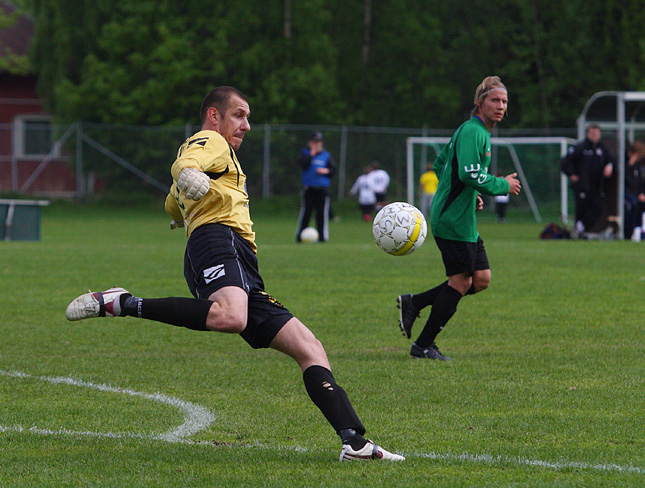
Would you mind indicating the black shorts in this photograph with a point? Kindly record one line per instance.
(217, 256)
(462, 257)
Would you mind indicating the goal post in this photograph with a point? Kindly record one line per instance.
(558, 145)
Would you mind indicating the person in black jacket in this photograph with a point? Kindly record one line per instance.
(588, 164)
(634, 188)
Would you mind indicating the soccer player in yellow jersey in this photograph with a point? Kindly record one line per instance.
(428, 183)
(208, 198)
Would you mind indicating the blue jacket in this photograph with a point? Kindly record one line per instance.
(309, 165)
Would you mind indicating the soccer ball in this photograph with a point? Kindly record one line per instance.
(399, 228)
(309, 234)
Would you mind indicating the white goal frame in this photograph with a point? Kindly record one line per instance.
(508, 143)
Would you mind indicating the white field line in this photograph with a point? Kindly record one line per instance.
(197, 418)
(519, 461)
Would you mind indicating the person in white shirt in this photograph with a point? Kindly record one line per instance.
(379, 180)
(366, 196)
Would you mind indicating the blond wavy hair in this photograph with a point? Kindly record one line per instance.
(489, 84)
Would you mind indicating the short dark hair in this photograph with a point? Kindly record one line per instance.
(219, 98)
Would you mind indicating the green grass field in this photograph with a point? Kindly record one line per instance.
(546, 389)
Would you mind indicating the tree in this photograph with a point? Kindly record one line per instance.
(559, 58)
(10, 61)
(290, 79)
(407, 63)
(124, 61)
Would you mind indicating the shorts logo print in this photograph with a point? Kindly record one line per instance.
(213, 273)
(271, 299)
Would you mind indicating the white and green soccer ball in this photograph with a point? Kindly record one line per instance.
(399, 228)
(309, 235)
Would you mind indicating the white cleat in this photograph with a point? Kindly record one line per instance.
(368, 451)
(99, 304)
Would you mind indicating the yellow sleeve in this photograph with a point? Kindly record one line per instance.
(182, 163)
(172, 206)
(198, 153)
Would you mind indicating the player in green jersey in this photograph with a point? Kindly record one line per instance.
(462, 169)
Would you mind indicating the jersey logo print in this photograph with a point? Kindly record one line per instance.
(200, 140)
(213, 273)
(475, 174)
(472, 170)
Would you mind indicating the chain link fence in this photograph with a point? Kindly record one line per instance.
(81, 159)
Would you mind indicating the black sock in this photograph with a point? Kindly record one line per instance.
(182, 312)
(353, 438)
(422, 300)
(332, 400)
(471, 290)
(444, 307)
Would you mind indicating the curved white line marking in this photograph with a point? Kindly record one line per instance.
(196, 417)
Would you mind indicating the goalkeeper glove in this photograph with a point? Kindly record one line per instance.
(193, 183)
(174, 224)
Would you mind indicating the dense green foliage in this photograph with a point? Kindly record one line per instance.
(10, 62)
(546, 389)
(406, 63)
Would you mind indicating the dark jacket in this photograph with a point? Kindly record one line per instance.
(635, 178)
(587, 160)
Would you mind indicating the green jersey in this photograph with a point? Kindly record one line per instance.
(462, 169)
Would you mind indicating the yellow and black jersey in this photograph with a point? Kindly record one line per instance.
(226, 202)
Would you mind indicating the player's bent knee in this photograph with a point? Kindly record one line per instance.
(307, 345)
(312, 353)
(316, 348)
(481, 287)
(480, 283)
(461, 283)
(298, 342)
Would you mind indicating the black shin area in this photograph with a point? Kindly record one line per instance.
(422, 300)
(443, 309)
(182, 312)
(333, 402)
